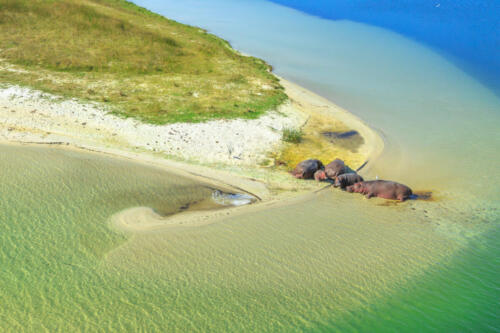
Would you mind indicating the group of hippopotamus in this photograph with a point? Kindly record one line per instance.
(347, 179)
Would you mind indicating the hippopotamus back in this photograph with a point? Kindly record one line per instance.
(335, 168)
(307, 168)
(347, 179)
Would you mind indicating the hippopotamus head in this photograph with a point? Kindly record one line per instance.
(307, 168)
(320, 175)
(347, 179)
(355, 188)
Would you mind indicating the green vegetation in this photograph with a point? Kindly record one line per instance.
(292, 135)
(139, 63)
(314, 144)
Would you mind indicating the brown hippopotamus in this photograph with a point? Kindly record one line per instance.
(347, 179)
(383, 189)
(320, 175)
(307, 168)
(335, 168)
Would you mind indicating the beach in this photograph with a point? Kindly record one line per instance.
(225, 150)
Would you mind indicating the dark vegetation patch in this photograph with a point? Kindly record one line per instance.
(350, 140)
(292, 135)
(423, 195)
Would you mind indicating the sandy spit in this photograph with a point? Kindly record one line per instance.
(29, 116)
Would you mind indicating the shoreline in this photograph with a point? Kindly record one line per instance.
(249, 179)
(29, 115)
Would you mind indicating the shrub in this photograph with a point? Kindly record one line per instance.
(292, 135)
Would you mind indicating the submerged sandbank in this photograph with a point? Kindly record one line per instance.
(330, 249)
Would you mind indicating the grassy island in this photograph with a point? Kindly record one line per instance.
(140, 64)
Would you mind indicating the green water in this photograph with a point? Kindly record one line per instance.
(461, 296)
(319, 262)
(54, 209)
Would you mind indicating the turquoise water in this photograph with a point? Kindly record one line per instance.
(460, 297)
(330, 261)
(440, 126)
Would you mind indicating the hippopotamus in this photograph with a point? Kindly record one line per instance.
(307, 168)
(320, 175)
(335, 168)
(383, 189)
(347, 179)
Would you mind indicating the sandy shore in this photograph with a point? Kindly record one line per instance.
(221, 151)
(307, 102)
(31, 116)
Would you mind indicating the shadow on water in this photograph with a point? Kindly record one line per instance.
(217, 200)
(350, 140)
(423, 195)
(167, 200)
(418, 195)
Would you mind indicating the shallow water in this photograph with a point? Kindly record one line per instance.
(54, 211)
(283, 267)
(326, 261)
(441, 130)
(63, 266)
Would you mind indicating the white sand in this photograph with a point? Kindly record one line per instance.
(31, 116)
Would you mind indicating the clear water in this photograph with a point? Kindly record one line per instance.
(466, 31)
(324, 262)
(54, 211)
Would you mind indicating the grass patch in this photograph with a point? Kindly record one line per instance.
(314, 144)
(292, 135)
(140, 64)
